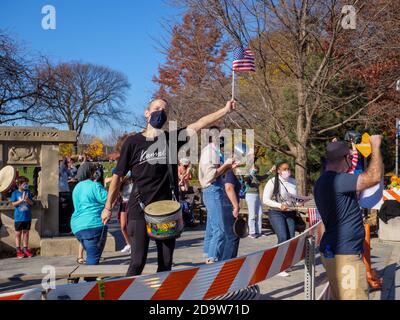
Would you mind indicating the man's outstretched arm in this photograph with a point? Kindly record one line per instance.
(213, 117)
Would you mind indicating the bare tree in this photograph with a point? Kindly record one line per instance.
(112, 138)
(195, 57)
(77, 93)
(19, 85)
(307, 83)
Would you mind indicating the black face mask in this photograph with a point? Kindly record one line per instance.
(158, 119)
(221, 143)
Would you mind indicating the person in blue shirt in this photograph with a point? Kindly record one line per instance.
(89, 198)
(231, 202)
(342, 245)
(22, 202)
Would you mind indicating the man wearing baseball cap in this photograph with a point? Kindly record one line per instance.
(336, 199)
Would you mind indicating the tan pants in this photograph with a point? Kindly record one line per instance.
(347, 277)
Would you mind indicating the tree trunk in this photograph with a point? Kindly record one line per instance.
(301, 171)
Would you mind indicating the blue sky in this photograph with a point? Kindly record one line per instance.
(120, 34)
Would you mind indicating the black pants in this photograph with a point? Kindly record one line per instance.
(140, 246)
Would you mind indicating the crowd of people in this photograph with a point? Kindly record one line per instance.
(140, 177)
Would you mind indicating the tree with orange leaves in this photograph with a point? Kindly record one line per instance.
(95, 149)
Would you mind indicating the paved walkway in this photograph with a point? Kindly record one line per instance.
(385, 259)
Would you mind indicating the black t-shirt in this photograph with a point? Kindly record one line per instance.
(336, 200)
(146, 158)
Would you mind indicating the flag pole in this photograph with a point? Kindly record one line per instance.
(233, 84)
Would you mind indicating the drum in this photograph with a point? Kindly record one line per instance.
(7, 178)
(164, 220)
(241, 228)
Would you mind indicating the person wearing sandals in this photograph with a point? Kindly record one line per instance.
(81, 259)
(276, 197)
(89, 198)
(252, 183)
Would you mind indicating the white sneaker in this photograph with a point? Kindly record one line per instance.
(283, 274)
(126, 249)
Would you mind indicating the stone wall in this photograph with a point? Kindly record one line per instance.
(7, 231)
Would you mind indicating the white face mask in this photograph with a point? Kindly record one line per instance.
(286, 175)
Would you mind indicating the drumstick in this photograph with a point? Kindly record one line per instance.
(101, 236)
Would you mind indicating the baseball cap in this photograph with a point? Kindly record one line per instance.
(336, 150)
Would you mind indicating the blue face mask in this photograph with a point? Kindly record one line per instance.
(158, 119)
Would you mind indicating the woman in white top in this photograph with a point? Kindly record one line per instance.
(276, 197)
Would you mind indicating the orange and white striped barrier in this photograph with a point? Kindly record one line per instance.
(391, 194)
(31, 294)
(195, 283)
(326, 293)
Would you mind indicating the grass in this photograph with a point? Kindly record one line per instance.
(26, 172)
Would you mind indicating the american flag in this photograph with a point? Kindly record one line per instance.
(243, 60)
(313, 216)
(354, 162)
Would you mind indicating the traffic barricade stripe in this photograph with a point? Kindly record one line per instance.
(287, 262)
(262, 270)
(246, 272)
(394, 194)
(12, 297)
(200, 284)
(298, 255)
(224, 278)
(144, 287)
(278, 260)
(72, 291)
(173, 287)
(115, 290)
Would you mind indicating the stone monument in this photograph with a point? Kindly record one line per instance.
(32, 146)
(27, 146)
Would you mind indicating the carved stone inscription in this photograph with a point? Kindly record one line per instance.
(36, 134)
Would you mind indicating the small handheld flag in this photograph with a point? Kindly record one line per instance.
(243, 61)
